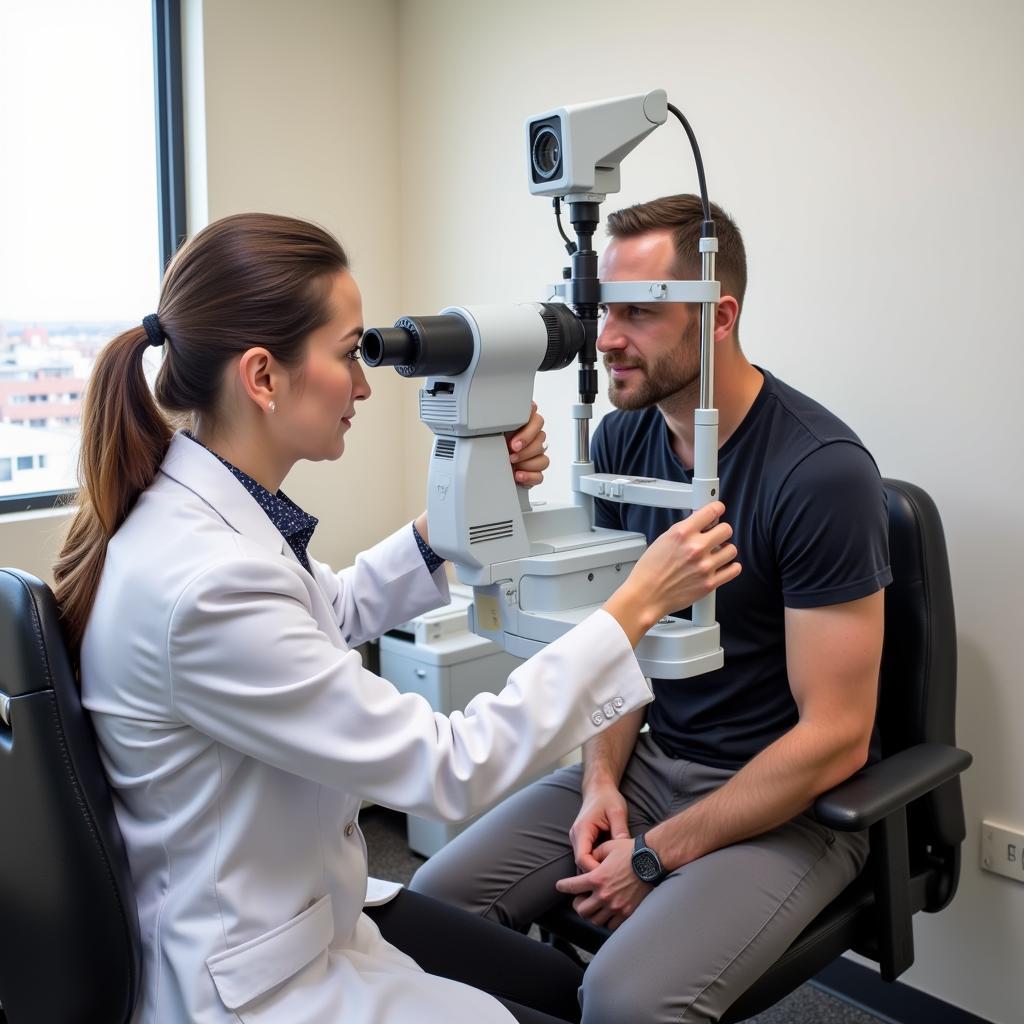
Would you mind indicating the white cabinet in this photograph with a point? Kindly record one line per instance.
(448, 684)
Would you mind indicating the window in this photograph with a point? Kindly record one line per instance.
(92, 206)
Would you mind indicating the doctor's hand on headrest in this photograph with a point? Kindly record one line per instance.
(526, 448)
(687, 562)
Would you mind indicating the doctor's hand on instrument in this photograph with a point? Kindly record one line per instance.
(526, 448)
(687, 562)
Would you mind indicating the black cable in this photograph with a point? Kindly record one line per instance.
(696, 156)
(570, 245)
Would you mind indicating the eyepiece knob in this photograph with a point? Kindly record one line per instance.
(421, 346)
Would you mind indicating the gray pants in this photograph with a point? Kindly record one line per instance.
(698, 940)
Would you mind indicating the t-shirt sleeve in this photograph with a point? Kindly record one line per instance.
(606, 513)
(830, 528)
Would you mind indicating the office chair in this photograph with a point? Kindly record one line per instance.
(910, 800)
(69, 932)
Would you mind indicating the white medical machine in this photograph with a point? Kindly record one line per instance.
(536, 572)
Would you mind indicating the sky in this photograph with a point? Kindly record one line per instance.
(78, 206)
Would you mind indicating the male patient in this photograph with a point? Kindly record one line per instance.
(717, 789)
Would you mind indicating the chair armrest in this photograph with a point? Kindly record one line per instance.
(879, 789)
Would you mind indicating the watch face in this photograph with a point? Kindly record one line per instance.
(646, 866)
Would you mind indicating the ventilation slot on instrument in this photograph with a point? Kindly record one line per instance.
(444, 448)
(490, 531)
(440, 410)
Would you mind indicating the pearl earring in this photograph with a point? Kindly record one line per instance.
(272, 407)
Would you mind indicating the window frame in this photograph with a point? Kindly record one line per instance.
(170, 172)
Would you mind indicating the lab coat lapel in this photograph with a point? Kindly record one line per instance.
(207, 477)
(192, 466)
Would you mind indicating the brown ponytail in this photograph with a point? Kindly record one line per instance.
(124, 440)
(243, 281)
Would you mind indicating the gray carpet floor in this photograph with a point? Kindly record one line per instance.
(391, 858)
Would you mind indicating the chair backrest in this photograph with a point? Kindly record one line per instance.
(917, 692)
(69, 933)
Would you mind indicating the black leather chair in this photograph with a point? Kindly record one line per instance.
(69, 933)
(910, 800)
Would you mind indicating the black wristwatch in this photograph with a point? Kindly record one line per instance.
(646, 865)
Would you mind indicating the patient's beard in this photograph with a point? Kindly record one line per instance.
(665, 375)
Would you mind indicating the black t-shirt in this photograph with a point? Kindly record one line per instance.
(808, 511)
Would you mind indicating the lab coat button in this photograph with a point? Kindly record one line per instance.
(597, 718)
(350, 828)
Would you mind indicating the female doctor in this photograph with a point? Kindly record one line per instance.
(237, 725)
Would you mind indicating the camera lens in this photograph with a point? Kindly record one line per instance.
(547, 152)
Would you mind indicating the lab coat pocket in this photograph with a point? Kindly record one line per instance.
(245, 972)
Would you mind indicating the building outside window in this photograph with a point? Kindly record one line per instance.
(80, 243)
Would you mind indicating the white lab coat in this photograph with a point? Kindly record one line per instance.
(240, 734)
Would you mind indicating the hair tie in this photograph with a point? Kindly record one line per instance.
(154, 331)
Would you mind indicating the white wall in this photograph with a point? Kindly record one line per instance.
(31, 540)
(872, 154)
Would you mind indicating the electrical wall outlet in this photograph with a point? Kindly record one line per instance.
(1002, 850)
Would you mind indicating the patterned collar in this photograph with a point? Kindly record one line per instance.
(293, 524)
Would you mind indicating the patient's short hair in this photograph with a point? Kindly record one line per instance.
(683, 215)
